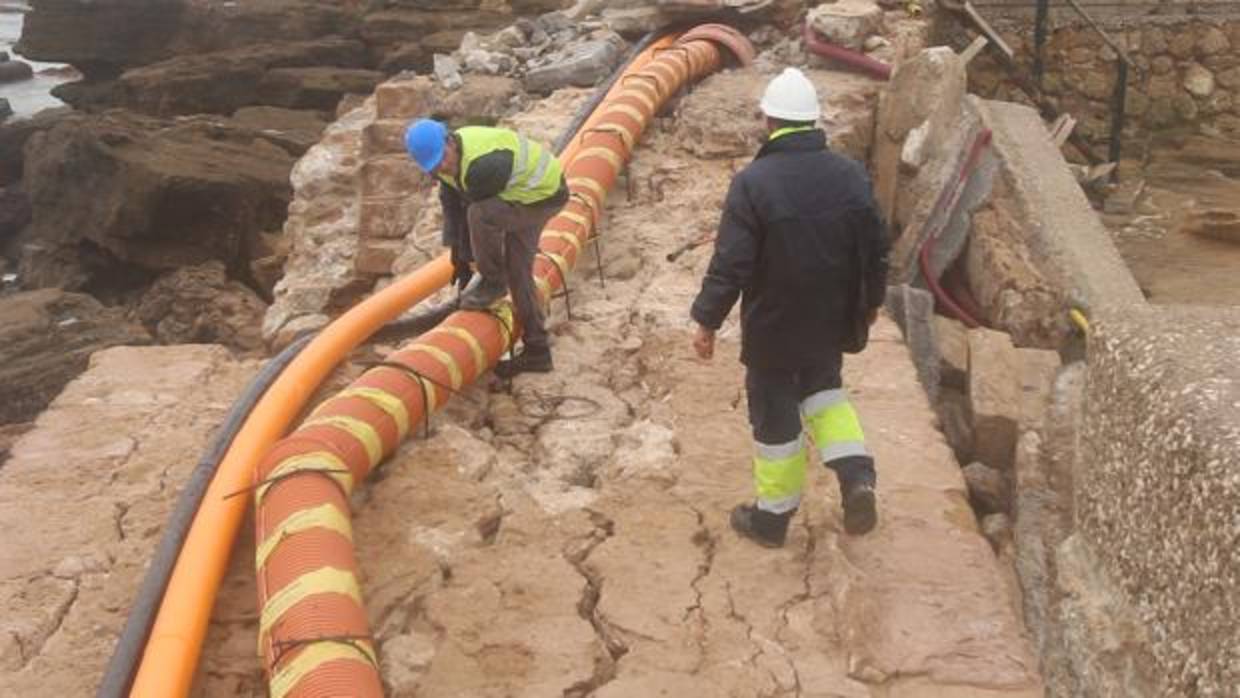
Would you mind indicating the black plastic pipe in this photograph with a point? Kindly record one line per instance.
(118, 678)
(600, 93)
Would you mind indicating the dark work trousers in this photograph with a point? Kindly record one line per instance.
(504, 237)
(778, 399)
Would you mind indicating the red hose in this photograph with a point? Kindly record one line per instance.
(852, 59)
(947, 201)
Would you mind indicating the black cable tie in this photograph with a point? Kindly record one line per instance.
(426, 395)
(509, 339)
(658, 89)
(613, 130)
(595, 214)
(325, 472)
(283, 647)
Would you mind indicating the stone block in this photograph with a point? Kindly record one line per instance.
(1198, 80)
(391, 175)
(376, 256)
(403, 99)
(381, 218)
(1037, 382)
(847, 23)
(384, 137)
(953, 342)
(1158, 482)
(1213, 41)
(994, 396)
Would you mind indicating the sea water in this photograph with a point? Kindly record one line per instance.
(28, 96)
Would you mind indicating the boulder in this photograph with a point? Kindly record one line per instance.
(294, 130)
(99, 38)
(106, 37)
(847, 23)
(994, 396)
(579, 65)
(408, 38)
(46, 338)
(223, 81)
(13, 137)
(201, 305)
(1197, 80)
(13, 71)
(145, 193)
(315, 87)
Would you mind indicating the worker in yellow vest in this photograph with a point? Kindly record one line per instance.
(498, 189)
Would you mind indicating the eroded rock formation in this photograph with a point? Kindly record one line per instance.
(146, 194)
(46, 339)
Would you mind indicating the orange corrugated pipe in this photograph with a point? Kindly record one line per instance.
(313, 632)
(171, 655)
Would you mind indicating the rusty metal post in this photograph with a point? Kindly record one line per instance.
(1039, 40)
(1118, 104)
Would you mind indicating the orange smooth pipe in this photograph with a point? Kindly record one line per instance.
(172, 652)
(314, 633)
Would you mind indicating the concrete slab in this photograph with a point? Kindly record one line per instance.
(1063, 229)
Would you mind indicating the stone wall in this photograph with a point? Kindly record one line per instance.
(1158, 484)
(358, 196)
(1123, 495)
(1187, 72)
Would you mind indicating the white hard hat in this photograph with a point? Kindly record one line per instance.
(791, 97)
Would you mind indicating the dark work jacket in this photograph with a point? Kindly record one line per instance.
(802, 243)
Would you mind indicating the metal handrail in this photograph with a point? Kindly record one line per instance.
(1119, 97)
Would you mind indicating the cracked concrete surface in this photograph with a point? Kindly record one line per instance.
(83, 501)
(565, 535)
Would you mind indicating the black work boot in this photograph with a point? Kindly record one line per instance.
(762, 527)
(532, 359)
(482, 293)
(860, 507)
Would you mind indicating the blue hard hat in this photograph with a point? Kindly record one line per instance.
(424, 139)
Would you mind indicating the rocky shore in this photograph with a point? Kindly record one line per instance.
(162, 192)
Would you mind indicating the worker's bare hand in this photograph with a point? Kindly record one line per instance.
(704, 342)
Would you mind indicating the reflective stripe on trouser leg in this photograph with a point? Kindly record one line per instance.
(779, 475)
(834, 425)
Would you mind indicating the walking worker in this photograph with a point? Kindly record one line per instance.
(498, 189)
(802, 243)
